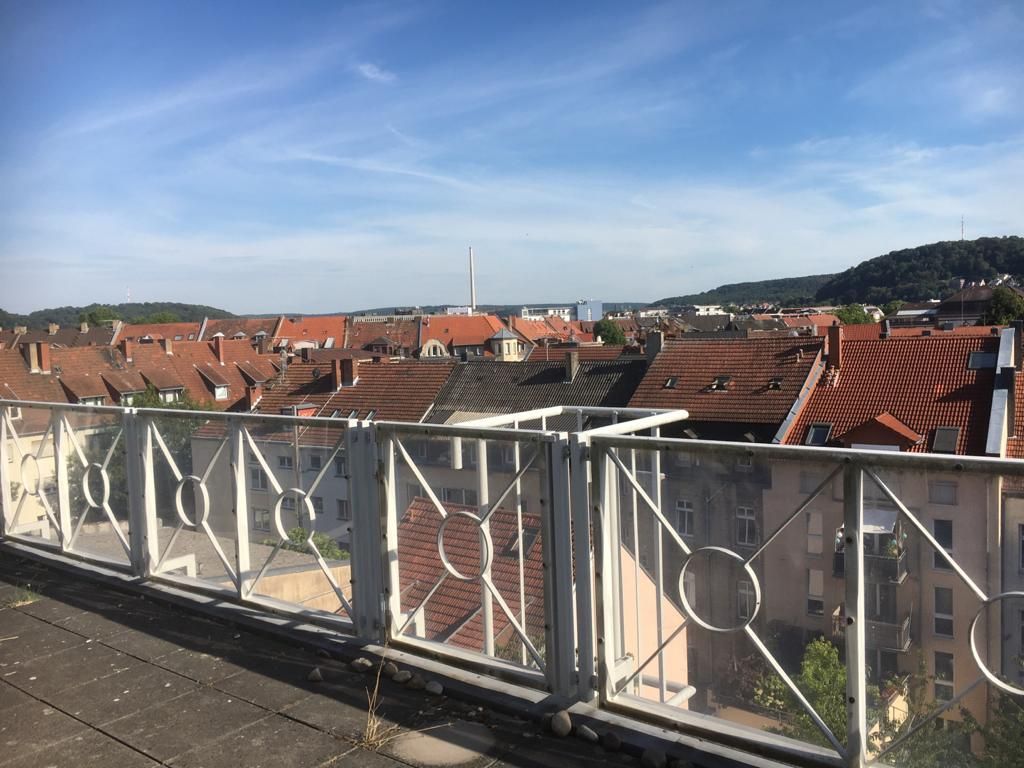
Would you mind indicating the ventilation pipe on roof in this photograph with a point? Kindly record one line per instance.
(572, 364)
(835, 346)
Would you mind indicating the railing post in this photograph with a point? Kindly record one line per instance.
(142, 520)
(856, 685)
(243, 566)
(60, 471)
(483, 499)
(558, 576)
(369, 548)
(5, 480)
(579, 475)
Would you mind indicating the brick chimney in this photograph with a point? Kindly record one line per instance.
(37, 356)
(336, 375)
(168, 345)
(126, 349)
(218, 348)
(263, 346)
(572, 364)
(835, 346)
(52, 329)
(655, 339)
(349, 371)
(253, 394)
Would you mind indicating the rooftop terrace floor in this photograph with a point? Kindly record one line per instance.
(93, 676)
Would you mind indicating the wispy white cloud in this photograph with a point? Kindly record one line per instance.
(375, 73)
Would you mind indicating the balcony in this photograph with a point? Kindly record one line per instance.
(880, 634)
(881, 569)
(521, 583)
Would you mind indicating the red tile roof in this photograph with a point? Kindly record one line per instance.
(532, 329)
(401, 391)
(250, 326)
(923, 382)
(404, 332)
(751, 364)
(586, 352)
(453, 613)
(157, 331)
(316, 329)
(818, 321)
(868, 331)
(460, 330)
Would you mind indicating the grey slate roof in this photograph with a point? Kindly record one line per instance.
(499, 387)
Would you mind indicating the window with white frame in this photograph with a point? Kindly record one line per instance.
(942, 492)
(340, 465)
(684, 517)
(318, 505)
(944, 611)
(815, 592)
(815, 538)
(943, 532)
(288, 503)
(15, 412)
(257, 479)
(316, 461)
(464, 496)
(343, 510)
(943, 676)
(746, 527)
(170, 395)
(745, 600)
(690, 588)
(220, 392)
(413, 491)
(261, 519)
(285, 462)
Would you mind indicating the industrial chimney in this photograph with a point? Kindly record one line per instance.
(472, 284)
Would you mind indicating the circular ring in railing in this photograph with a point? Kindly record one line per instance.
(689, 609)
(486, 546)
(34, 489)
(87, 492)
(204, 496)
(1001, 684)
(307, 504)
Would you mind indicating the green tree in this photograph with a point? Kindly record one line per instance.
(609, 331)
(157, 318)
(297, 537)
(1007, 305)
(892, 307)
(1003, 733)
(852, 314)
(99, 315)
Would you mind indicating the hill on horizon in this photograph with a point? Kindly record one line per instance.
(910, 274)
(134, 312)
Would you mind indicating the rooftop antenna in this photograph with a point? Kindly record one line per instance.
(472, 284)
(129, 294)
(961, 227)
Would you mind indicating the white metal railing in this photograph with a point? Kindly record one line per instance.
(680, 581)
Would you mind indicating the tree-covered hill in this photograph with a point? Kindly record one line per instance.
(150, 311)
(925, 272)
(786, 290)
(911, 274)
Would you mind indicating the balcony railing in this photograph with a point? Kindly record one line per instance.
(552, 559)
(891, 568)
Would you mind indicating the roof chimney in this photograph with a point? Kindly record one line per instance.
(83, 328)
(52, 329)
(37, 355)
(655, 339)
(349, 371)
(168, 345)
(218, 348)
(263, 346)
(886, 329)
(20, 330)
(572, 364)
(336, 374)
(835, 346)
(126, 349)
(253, 394)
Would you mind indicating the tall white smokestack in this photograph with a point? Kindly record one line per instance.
(472, 283)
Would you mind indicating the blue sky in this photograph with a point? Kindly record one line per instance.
(316, 157)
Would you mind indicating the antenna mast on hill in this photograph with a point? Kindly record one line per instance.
(961, 227)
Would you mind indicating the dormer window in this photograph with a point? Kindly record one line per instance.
(671, 381)
(721, 383)
(818, 434)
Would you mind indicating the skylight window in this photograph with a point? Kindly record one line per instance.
(721, 383)
(818, 434)
(775, 382)
(981, 360)
(945, 439)
(671, 381)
